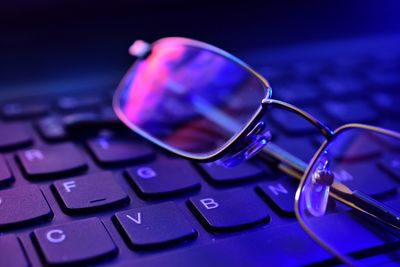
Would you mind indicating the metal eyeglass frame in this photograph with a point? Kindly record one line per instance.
(285, 161)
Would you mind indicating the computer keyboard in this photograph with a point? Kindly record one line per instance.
(77, 187)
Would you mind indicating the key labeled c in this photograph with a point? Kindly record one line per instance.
(56, 236)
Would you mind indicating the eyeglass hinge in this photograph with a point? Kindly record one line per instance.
(140, 49)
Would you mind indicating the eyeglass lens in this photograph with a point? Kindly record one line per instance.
(188, 98)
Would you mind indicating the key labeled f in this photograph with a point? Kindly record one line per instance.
(69, 185)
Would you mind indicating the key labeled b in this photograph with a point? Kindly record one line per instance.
(209, 203)
(229, 210)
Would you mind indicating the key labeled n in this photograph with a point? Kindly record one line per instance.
(277, 189)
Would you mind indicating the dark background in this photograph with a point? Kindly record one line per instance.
(47, 39)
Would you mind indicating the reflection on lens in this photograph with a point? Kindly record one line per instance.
(362, 211)
(189, 98)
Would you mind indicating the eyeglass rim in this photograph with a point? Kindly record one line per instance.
(224, 149)
(341, 256)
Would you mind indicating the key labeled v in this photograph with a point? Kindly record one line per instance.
(137, 220)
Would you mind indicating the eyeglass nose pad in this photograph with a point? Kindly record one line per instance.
(254, 141)
(318, 188)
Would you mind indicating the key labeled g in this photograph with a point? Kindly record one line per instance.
(146, 173)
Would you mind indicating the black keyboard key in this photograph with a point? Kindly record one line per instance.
(342, 86)
(52, 160)
(290, 92)
(70, 103)
(108, 151)
(22, 111)
(384, 79)
(90, 192)
(387, 102)
(302, 69)
(74, 243)
(365, 176)
(22, 205)
(245, 171)
(293, 124)
(51, 129)
(164, 177)
(154, 226)
(88, 122)
(81, 118)
(352, 147)
(352, 111)
(274, 73)
(14, 135)
(229, 210)
(5, 174)
(280, 195)
(108, 114)
(345, 65)
(11, 253)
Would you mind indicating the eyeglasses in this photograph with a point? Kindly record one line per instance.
(203, 104)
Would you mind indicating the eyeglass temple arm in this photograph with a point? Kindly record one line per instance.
(287, 162)
(364, 203)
